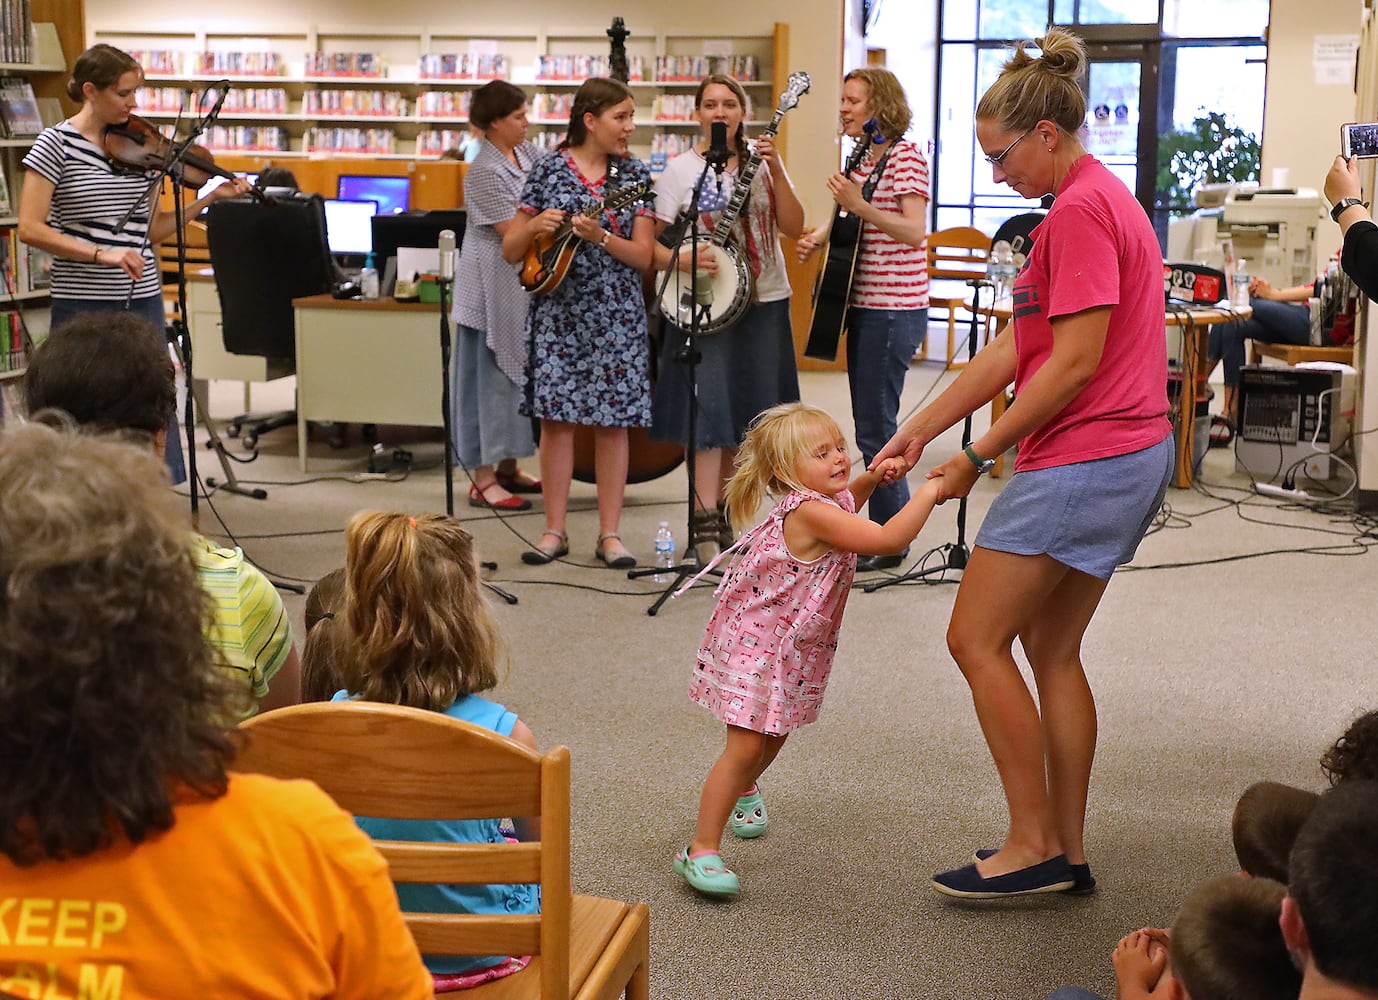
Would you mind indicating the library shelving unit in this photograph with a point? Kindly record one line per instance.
(403, 92)
(24, 284)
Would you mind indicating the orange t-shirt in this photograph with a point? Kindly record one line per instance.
(269, 891)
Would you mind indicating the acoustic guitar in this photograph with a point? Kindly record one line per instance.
(833, 286)
(548, 258)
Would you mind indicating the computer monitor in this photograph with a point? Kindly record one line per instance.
(393, 194)
(348, 226)
(413, 229)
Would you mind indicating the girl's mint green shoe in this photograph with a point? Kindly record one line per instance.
(749, 817)
(706, 873)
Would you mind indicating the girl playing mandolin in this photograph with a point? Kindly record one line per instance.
(73, 198)
(587, 337)
(887, 311)
(747, 367)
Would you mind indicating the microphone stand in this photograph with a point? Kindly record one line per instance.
(955, 554)
(690, 356)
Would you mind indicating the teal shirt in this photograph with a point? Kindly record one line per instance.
(423, 898)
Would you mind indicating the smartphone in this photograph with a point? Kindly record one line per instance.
(1359, 139)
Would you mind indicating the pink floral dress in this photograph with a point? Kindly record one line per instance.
(768, 648)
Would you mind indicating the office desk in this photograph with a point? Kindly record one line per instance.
(367, 361)
(1192, 321)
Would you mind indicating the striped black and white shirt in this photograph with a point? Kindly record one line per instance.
(89, 200)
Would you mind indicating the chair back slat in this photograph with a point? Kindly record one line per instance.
(476, 934)
(419, 764)
(461, 864)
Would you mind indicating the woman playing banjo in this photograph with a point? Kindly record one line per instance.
(748, 366)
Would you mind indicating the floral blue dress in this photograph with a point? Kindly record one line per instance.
(589, 353)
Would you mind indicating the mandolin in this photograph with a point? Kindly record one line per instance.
(549, 256)
(833, 287)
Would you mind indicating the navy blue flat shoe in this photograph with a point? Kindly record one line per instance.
(1053, 875)
(1084, 883)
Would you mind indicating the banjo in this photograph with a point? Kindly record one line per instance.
(723, 297)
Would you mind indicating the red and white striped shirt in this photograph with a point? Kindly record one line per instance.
(890, 274)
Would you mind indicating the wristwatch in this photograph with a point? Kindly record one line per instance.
(983, 465)
(1344, 203)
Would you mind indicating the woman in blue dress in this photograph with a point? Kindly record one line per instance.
(589, 355)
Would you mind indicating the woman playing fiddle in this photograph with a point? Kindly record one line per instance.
(748, 367)
(73, 198)
(589, 357)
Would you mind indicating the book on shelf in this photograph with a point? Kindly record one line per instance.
(14, 263)
(14, 342)
(19, 108)
(6, 208)
(40, 267)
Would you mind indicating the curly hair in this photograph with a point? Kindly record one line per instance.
(101, 65)
(110, 371)
(112, 706)
(769, 456)
(885, 100)
(1031, 89)
(418, 628)
(1355, 754)
(594, 96)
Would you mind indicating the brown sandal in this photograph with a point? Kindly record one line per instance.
(624, 561)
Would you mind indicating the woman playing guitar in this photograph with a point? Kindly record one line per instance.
(748, 366)
(588, 347)
(73, 198)
(887, 311)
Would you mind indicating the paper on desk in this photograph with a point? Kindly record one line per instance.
(413, 261)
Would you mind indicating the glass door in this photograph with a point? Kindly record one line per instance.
(1122, 112)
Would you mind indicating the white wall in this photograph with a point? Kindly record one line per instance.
(1302, 118)
(814, 41)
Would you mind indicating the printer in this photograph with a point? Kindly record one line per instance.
(1274, 229)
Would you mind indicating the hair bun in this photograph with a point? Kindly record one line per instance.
(1064, 54)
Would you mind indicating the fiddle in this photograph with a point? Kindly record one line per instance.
(137, 146)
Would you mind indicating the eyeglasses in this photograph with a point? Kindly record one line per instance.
(998, 160)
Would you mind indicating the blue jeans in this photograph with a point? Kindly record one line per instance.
(1073, 993)
(1272, 322)
(151, 309)
(880, 345)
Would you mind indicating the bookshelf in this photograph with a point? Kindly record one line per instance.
(403, 92)
(33, 52)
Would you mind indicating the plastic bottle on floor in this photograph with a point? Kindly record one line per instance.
(665, 552)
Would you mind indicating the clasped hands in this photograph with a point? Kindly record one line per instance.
(955, 477)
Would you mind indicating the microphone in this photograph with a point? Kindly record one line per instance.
(718, 153)
(224, 87)
(447, 254)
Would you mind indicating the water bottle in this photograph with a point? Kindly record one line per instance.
(1001, 268)
(1240, 297)
(368, 279)
(665, 552)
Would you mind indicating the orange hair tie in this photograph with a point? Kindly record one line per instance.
(413, 521)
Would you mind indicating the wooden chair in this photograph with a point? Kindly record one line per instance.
(1295, 354)
(406, 763)
(956, 254)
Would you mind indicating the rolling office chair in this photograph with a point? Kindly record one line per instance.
(264, 256)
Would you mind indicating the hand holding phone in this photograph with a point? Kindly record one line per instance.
(1359, 139)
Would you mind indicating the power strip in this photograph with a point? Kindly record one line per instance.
(1282, 492)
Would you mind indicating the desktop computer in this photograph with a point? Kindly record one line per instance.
(1289, 420)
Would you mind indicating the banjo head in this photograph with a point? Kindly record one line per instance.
(722, 297)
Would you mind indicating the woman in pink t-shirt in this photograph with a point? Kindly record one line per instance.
(1088, 357)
